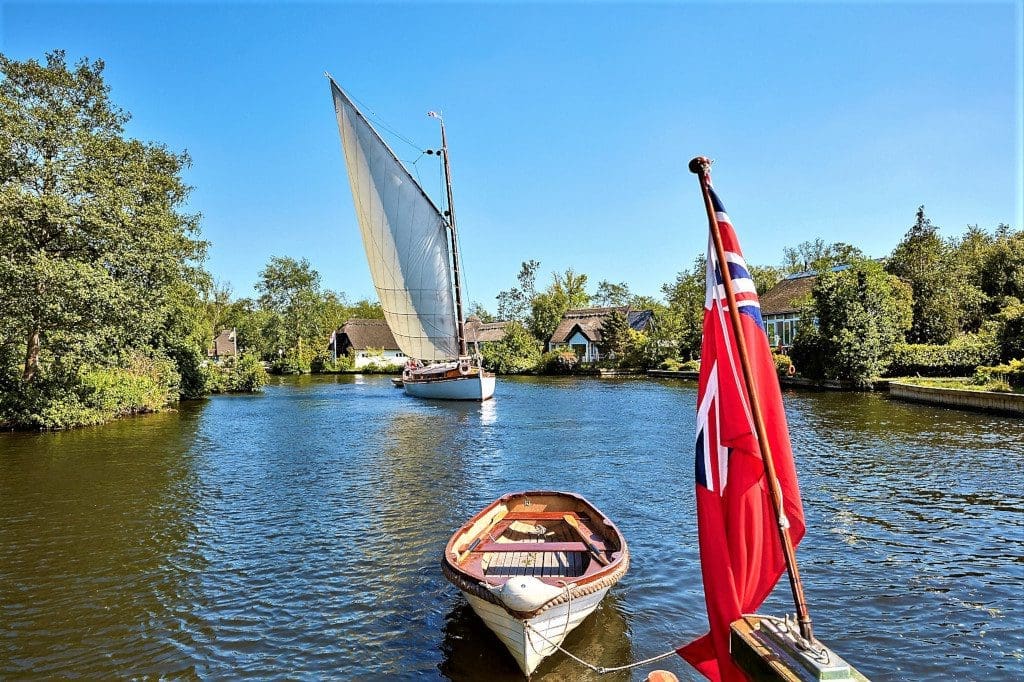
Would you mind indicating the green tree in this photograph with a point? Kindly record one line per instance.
(611, 294)
(365, 309)
(291, 290)
(566, 292)
(514, 303)
(862, 313)
(681, 325)
(765, 277)
(515, 353)
(476, 309)
(817, 256)
(615, 334)
(1002, 271)
(944, 300)
(95, 242)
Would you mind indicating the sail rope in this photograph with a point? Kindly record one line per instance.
(380, 122)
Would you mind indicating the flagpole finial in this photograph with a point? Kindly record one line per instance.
(700, 164)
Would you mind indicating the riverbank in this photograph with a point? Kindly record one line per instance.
(959, 398)
(794, 382)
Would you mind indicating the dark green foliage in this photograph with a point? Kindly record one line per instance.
(765, 277)
(1002, 271)
(945, 301)
(640, 351)
(809, 353)
(862, 313)
(65, 398)
(558, 361)
(517, 353)
(324, 363)
(615, 335)
(1010, 375)
(366, 310)
(612, 294)
(1010, 334)
(680, 325)
(956, 359)
(245, 374)
(566, 292)
(99, 264)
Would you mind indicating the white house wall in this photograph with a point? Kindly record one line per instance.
(389, 357)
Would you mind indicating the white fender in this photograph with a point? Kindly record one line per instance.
(526, 593)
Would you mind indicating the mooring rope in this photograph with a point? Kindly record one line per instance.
(600, 670)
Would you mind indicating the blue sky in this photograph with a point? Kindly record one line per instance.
(570, 125)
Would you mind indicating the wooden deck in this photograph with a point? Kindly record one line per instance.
(563, 554)
(506, 550)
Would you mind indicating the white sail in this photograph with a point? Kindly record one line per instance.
(405, 237)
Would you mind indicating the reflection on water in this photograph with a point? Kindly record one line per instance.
(470, 648)
(299, 533)
(95, 554)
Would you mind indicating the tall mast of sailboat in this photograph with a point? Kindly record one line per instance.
(459, 316)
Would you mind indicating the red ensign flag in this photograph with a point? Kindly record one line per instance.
(740, 551)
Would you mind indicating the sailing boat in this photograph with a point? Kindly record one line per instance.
(413, 252)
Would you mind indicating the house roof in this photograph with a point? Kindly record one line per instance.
(484, 332)
(590, 320)
(223, 343)
(786, 296)
(363, 334)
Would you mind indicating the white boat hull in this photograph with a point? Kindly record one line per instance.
(525, 645)
(473, 387)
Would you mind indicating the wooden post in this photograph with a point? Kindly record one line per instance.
(460, 318)
(701, 166)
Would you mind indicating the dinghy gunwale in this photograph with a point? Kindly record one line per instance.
(596, 576)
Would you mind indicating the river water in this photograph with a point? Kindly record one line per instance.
(297, 534)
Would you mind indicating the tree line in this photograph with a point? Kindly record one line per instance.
(106, 307)
(932, 307)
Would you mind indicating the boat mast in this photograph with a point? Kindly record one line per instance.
(460, 318)
(701, 166)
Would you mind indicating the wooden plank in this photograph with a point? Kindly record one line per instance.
(537, 515)
(587, 533)
(532, 547)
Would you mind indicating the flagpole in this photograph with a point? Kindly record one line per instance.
(701, 166)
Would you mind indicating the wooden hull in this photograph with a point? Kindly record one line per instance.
(472, 387)
(533, 566)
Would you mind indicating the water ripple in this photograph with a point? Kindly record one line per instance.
(297, 534)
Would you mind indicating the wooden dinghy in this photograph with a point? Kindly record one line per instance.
(533, 565)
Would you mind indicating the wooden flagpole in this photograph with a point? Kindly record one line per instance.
(701, 166)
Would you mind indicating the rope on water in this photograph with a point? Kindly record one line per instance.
(600, 670)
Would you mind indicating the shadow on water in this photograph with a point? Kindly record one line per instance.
(601, 640)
